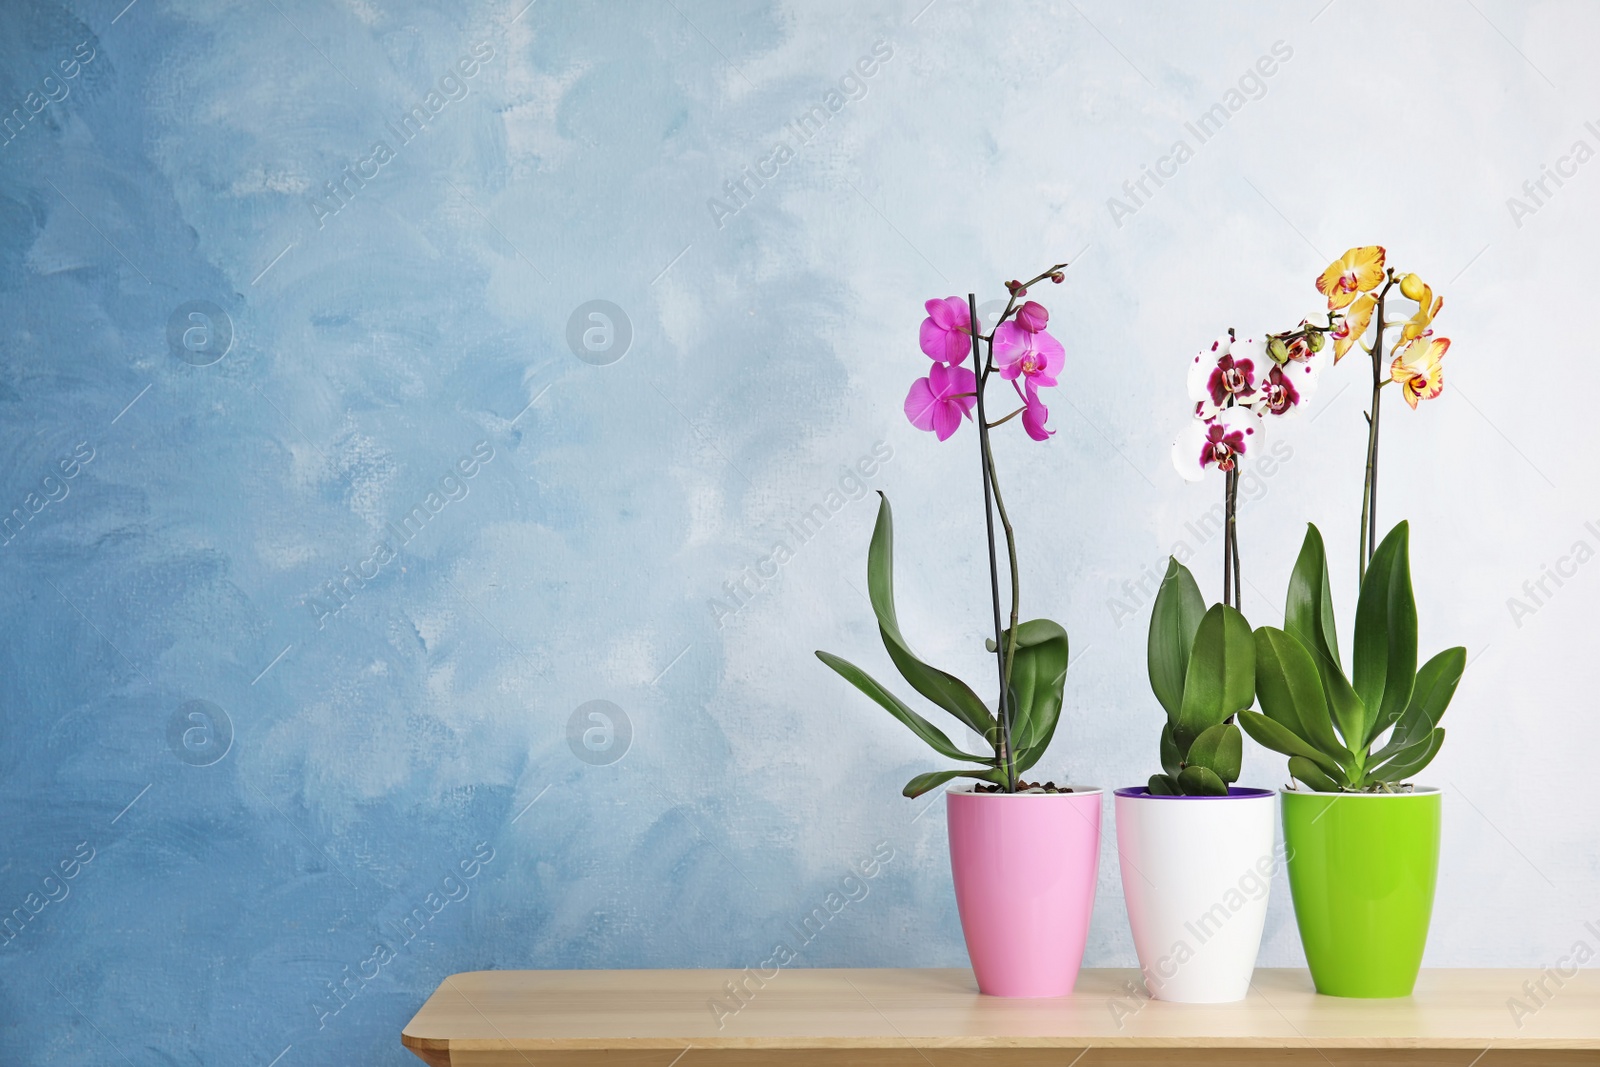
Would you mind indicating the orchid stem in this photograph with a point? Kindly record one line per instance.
(1002, 422)
(1016, 597)
(1002, 744)
(1369, 488)
(1227, 538)
(1233, 537)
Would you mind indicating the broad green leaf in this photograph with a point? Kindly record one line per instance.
(1162, 785)
(931, 734)
(1308, 616)
(1220, 750)
(1267, 732)
(1308, 610)
(1221, 678)
(945, 690)
(1348, 712)
(1384, 668)
(933, 779)
(1311, 775)
(1176, 616)
(1201, 782)
(1436, 685)
(1409, 760)
(1171, 758)
(1038, 678)
(1290, 690)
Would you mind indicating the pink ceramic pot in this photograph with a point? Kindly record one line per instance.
(1025, 867)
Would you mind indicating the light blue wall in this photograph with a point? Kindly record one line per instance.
(423, 727)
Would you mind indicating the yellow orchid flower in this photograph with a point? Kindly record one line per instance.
(1354, 325)
(1359, 270)
(1427, 307)
(1419, 368)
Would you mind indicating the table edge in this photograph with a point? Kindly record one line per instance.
(445, 1044)
(435, 1045)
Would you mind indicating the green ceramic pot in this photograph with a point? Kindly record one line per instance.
(1362, 868)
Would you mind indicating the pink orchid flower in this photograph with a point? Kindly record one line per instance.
(1034, 416)
(935, 402)
(947, 331)
(1036, 357)
(1217, 442)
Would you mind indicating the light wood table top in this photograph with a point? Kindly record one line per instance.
(934, 1018)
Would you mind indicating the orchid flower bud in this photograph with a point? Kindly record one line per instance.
(1314, 339)
(1033, 317)
(1412, 287)
(1278, 351)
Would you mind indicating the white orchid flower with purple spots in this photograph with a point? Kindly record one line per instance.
(1218, 442)
(1285, 389)
(1224, 374)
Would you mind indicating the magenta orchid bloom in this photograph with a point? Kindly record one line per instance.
(935, 402)
(1034, 416)
(1034, 356)
(1019, 348)
(947, 331)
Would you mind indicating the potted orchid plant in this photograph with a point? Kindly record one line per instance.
(1363, 843)
(1190, 838)
(1023, 855)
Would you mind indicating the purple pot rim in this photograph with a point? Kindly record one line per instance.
(1235, 792)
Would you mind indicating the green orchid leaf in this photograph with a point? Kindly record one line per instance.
(1268, 733)
(1308, 616)
(1174, 619)
(930, 734)
(1309, 773)
(1289, 688)
(1220, 750)
(1038, 681)
(945, 690)
(1409, 760)
(1221, 676)
(1171, 758)
(1436, 685)
(1385, 662)
(1162, 785)
(1201, 782)
(1308, 610)
(1348, 712)
(933, 779)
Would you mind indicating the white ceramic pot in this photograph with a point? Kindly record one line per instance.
(1196, 872)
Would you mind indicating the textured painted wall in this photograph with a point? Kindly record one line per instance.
(309, 419)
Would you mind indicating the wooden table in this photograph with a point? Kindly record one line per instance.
(935, 1018)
